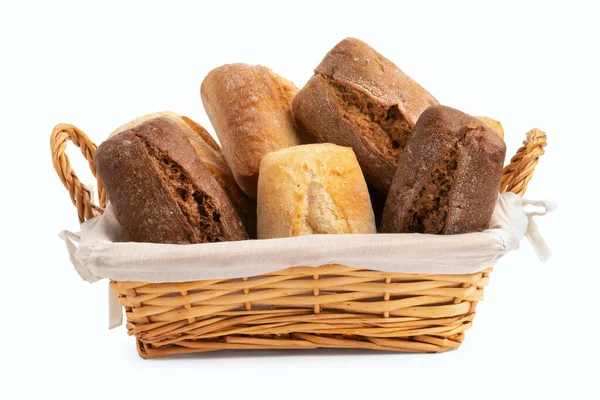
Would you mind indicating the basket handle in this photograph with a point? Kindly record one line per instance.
(81, 196)
(517, 174)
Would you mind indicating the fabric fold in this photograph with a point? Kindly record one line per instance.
(102, 253)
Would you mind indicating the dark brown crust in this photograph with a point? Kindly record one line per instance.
(377, 202)
(448, 177)
(160, 189)
(358, 98)
(244, 205)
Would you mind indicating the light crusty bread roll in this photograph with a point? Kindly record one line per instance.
(210, 153)
(360, 99)
(250, 108)
(309, 189)
(161, 191)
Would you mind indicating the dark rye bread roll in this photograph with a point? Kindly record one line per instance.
(448, 178)
(360, 99)
(160, 189)
(210, 153)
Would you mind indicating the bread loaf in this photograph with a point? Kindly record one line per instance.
(495, 125)
(448, 178)
(161, 191)
(360, 99)
(210, 153)
(309, 189)
(250, 108)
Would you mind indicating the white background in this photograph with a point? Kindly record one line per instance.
(100, 65)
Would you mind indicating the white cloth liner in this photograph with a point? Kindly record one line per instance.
(100, 254)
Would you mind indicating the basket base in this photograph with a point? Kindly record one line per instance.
(419, 344)
(332, 306)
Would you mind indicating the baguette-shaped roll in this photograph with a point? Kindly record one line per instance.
(250, 108)
(212, 157)
(448, 178)
(310, 189)
(360, 99)
(161, 191)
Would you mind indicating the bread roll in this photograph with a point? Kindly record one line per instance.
(495, 125)
(309, 189)
(210, 153)
(250, 108)
(448, 178)
(161, 191)
(360, 99)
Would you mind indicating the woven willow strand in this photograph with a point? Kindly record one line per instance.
(333, 306)
(517, 174)
(80, 195)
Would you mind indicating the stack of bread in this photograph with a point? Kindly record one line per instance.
(362, 148)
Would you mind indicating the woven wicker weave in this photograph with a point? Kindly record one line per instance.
(299, 307)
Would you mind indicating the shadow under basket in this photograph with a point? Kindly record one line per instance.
(334, 306)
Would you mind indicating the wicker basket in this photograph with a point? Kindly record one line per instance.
(299, 307)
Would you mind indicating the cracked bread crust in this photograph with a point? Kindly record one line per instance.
(160, 189)
(360, 99)
(448, 178)
(210, 154)
(312, 189)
